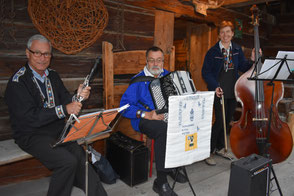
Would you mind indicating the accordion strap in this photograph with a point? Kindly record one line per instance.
(142, 79)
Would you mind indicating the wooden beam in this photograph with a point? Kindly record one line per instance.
(164, 30)
(243, 3)
(201, 38)
(187, 11)
(107, 66)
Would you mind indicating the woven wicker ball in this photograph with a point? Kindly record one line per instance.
(71, 25)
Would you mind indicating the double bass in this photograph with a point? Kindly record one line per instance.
(259, 129)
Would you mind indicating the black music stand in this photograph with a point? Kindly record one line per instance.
(91, 127)
(178, 170)
(264, 147)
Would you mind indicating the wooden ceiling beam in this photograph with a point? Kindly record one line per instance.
(243, 3)
(176, 7)
(214, 16)
(186, 11)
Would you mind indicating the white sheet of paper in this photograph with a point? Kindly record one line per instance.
(284, 72)
(189, 128)
(270, 67)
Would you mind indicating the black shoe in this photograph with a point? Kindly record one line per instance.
(180, 178)
(164, 190)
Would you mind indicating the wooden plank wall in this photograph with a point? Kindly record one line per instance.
(137, 33)
(12, 52)
(201, 38)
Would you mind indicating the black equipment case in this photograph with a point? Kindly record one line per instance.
(128, 157)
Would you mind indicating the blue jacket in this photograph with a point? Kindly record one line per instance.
(138, 91)
(213, 63)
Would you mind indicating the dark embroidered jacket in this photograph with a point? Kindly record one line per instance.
(29, 112)
(213, 63)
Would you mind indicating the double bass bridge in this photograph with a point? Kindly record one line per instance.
(259, 119)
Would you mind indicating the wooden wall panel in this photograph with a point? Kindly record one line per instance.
(181, 60)
(202, 37)
(137, 33)
(164, 30)
(135, 60)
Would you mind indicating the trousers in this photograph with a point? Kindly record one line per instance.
(67, 163)
(156, 129)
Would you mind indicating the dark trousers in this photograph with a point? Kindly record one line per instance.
(67, 163)
(217, 133)
(156, 129)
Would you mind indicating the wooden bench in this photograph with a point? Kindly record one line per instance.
(17, 165)
(10, 152)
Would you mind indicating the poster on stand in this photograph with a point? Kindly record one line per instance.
(189, 128)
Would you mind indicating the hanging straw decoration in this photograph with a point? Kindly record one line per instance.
(71, 25)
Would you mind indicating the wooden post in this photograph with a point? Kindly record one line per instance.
(200, 38)
(164, 30)
(107, 58)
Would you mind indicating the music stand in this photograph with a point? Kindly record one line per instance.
(273, 70)
(89, 128)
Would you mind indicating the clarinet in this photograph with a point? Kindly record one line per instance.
(72, 118)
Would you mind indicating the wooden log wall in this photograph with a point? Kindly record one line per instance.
(136, 33)
(131, 26)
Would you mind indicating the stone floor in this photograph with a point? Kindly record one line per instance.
(206, 181)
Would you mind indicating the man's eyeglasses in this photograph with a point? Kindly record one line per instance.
(152, 61)
(39, 54)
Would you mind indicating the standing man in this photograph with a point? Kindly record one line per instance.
(220, 71)
(145, 120)
(38, 103)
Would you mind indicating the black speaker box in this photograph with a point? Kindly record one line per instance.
(128, 157)
(250, 176)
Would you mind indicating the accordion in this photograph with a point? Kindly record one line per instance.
(174, 83)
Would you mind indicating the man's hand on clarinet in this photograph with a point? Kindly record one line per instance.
(84, 92)
(153, 116)
(74, 108)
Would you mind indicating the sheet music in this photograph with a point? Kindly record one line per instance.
(270, 66)
(92, 124)
(284, 70)
(82, 129)
(268, 69)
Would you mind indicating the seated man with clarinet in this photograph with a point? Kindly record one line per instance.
(38, 103)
